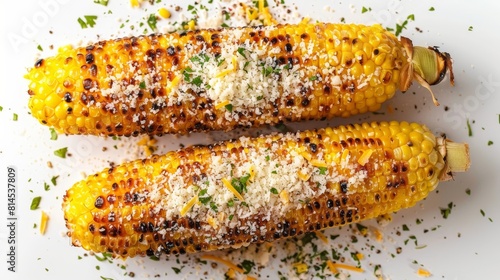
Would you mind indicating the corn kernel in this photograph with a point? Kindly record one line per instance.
(164, 13)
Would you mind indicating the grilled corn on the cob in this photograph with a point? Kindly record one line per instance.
(258, 189)
(221, 79)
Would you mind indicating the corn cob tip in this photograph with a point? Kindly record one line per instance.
(456, 155)
(428, 66)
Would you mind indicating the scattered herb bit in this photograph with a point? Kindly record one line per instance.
(88, 22)
(14, 117)
(471, 28)
(482, 212)
(231, 217)
(176, 270)
(61, 152)
(142, 85)
(39, 47)
(322, 170)
(35, 202)
(46, 186)
(1, 108)
(102, 2)
(268, 158)
(445, 212)
(105, 256)
(213, 206)
(97, 267)
(432, 9)
(467, 191)
(313, 78)
(418, 221)
(34, 225)
(230, 203)
(53, 134)
(469, 128)
(247, 266)
(152, 20)
(197, 81)
(241, 51)
(53, 180)
(240, 184)
(229, 107)
(154, 258)
(202, 198)
(400, 27)
(490, 143)
(365, 9)
(106, 278)
(274, 191)
(405, 227)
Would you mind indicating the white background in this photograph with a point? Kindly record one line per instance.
(463, 246)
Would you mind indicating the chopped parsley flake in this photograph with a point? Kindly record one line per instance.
(142, 85)
(405, 227)
(322, 170)
(102, 2)
(469, 128)
(490, 143)
(365, 9)
(1, 108)
(15, 117)
(274, 191)
(46, 186)
(61, 152)
(176, 270)
(35, 202)
(247, 266)
(241, 51)
(432, 9)
(88, 22)
(467, 191)
(471, 28)
(229, 107)
(39, 48)
(53, 134)
(445, 212)
(152, 20)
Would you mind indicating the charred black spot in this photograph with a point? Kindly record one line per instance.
(89, 58)
(343, 186)
(68, 97)
(170, 50)
(288, 47)
(99, 202)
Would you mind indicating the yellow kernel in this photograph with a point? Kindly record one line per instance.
(365, 157)
(43, 222)
(164, 13)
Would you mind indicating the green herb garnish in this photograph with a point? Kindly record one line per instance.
(35, 202)
(274, 191)
(61, 152)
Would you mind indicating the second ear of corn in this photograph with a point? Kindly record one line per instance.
(229, 194)
(176, 83)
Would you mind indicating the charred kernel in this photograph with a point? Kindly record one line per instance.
(150, 252)
(200, 38)
(93, 70)
(329, 203)
(102, 231)
(343, 186)
(87, 84)
(305, 102)
(143, 227)
(345, 199)
(304, 36)
(39, 63)
(91, 228)
(288, 47)
(99, 202)
(89, 58)
(171, 51)
(69, 110)
(376, 51)
(114, 186)
(274, 41)
(112, 231)
(395, 168)
(317, 205)
(313, 147)
(327, 89)
(68, 97)
(111, 217)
